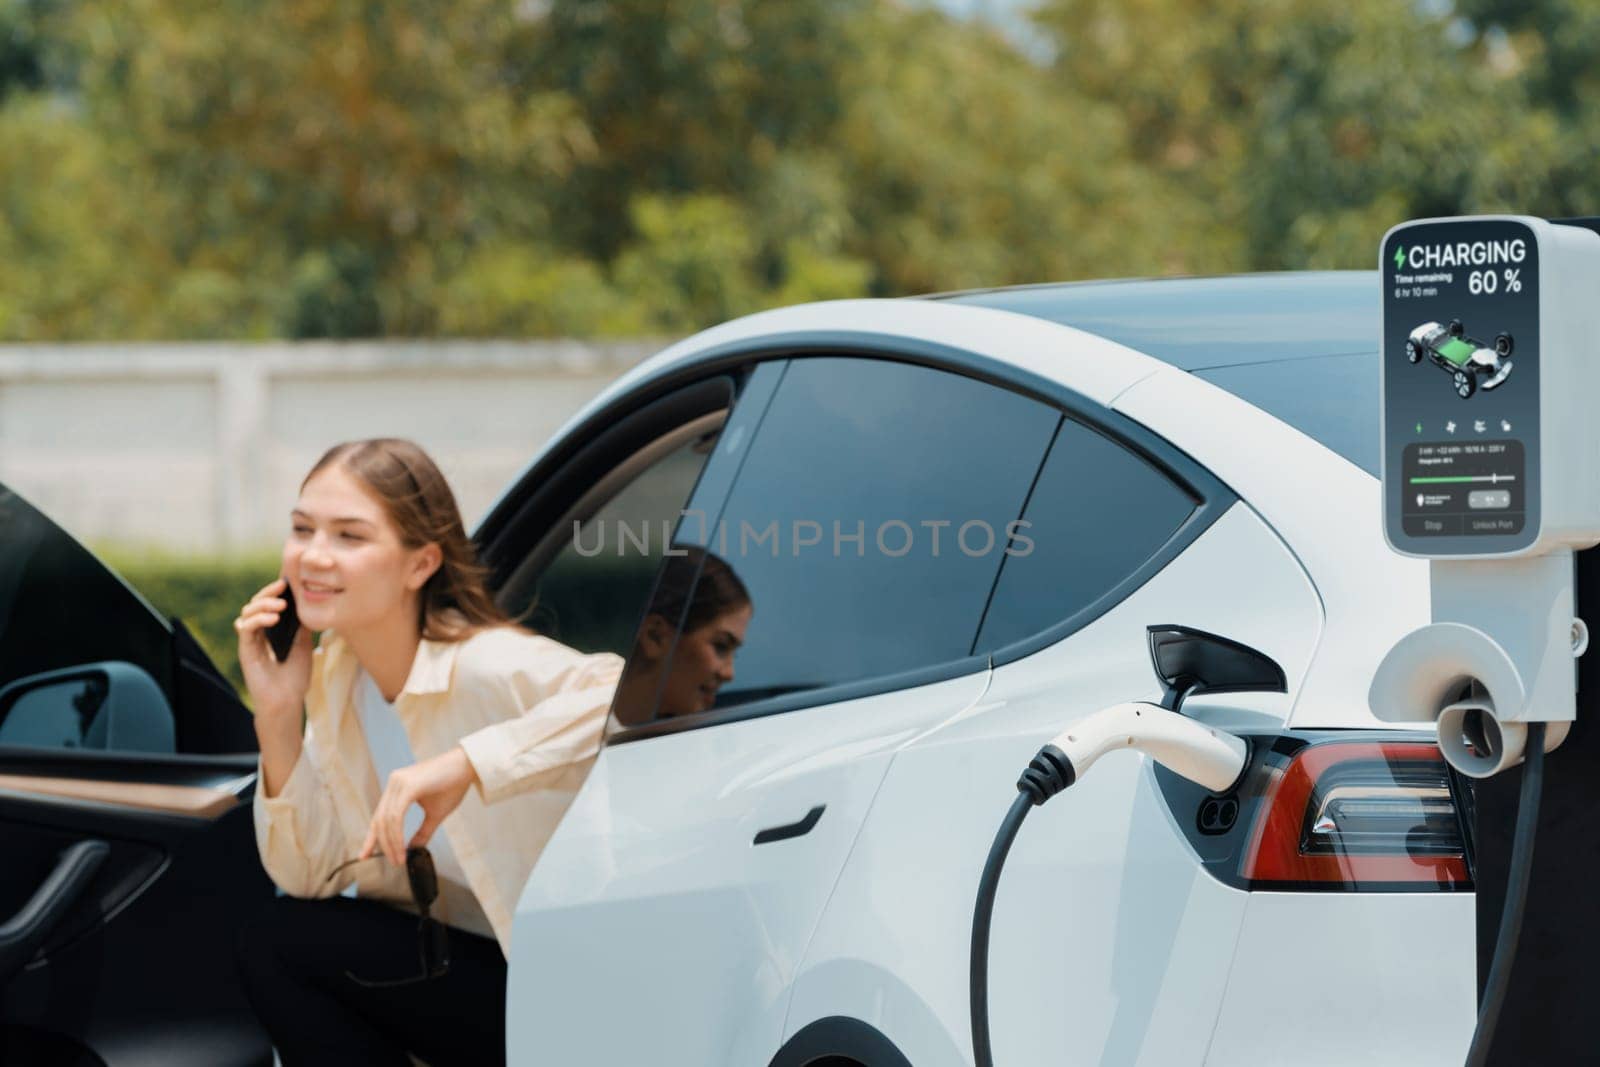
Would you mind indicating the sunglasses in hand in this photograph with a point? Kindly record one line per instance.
(433, 942)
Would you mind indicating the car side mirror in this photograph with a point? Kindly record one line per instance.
(108, 707)
(1190, 662)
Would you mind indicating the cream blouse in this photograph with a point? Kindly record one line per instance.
(529, 713)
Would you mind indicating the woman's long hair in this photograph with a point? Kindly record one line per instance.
(454, 603)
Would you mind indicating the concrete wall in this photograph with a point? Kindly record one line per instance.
(201, 447)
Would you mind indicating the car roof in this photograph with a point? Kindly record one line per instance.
(1201, 323)
(1301, 346)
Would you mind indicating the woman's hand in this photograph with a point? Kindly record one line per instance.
(277, 690)
(438, 784)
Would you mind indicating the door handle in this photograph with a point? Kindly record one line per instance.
(25, 931)
(794, 829)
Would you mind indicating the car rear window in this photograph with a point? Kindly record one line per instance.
(1296, 345)
(1097, 513)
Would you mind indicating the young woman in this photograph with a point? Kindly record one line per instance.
(423, 718)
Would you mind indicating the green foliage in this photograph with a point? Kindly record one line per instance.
(333, 293)
(22, 58)
(313, 168)
(69, 227)
(691, 262)
(522, 290)
(205, 592)
(1311, 128)
(964, 167)
(687, 96)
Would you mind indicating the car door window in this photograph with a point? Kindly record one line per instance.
(860, 539)
(1097, 514)
(590, 596)
(61, 608)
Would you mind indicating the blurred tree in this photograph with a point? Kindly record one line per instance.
(693, 262)
(961, 163)
(1549, 46)
(687, 96)
(21, 51)
(522, 290)
(1356, 134)
(72, 220)
(534, 167)
(1309, 128)
(343, 156)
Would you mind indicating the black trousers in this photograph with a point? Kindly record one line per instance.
(293, 960)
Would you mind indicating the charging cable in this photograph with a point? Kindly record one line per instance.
(1210, 757)
(1505, 942)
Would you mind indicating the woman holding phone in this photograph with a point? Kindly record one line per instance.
(420, 756)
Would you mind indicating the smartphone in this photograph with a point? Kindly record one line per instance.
(280, 635)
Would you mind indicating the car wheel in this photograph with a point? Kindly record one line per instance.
(1413, 352)
(1456, 329)
(1502, 345)
(1466, 384)
(839, 1041)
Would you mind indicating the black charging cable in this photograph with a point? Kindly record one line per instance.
(1048, 774)
(1505, 942)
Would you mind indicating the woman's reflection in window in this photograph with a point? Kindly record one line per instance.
(684, 678)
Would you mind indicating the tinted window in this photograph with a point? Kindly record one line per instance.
(861, 537)
(59, 607)
(591, 595)
(1098, 512)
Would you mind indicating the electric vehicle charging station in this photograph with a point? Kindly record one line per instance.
(1492, 487)
(1496, 490)
(1487, 474)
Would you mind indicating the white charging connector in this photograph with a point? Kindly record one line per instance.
(1202, 754)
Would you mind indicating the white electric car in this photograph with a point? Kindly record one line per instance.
(950, 528)
(785, 876)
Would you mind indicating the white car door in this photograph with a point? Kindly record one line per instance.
(668, 916)
(656, 928)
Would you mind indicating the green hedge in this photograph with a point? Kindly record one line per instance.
(205, 592)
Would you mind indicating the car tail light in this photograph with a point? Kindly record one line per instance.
(1357, 815)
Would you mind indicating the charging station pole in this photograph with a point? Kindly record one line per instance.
(1549, 1012)
(1546, 1015)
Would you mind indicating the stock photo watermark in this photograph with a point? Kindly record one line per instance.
(894, 538)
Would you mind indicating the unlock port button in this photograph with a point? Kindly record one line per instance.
(1489, 498)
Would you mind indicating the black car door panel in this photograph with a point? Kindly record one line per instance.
(127, 769)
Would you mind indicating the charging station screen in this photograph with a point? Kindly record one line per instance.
(1460, 387)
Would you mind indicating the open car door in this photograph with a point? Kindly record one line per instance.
(127, 853)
